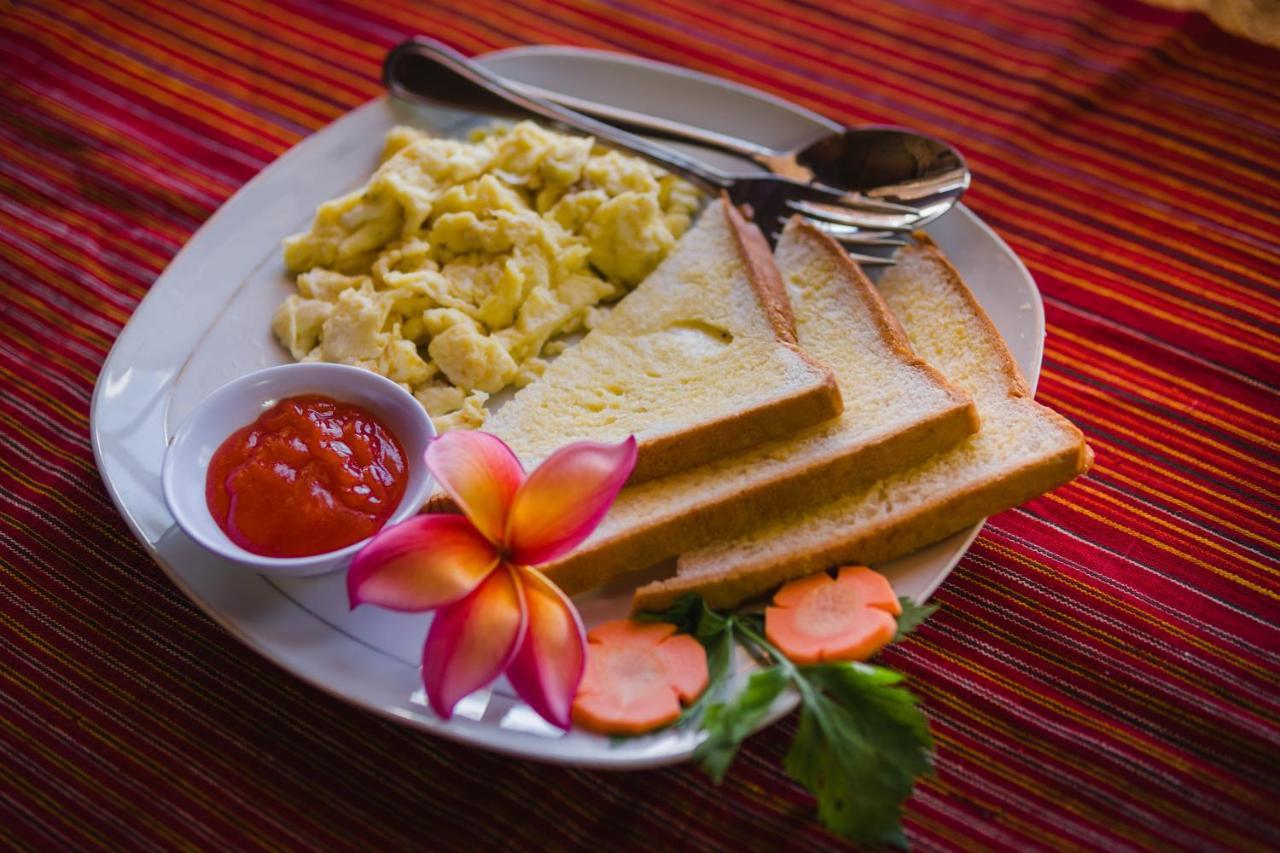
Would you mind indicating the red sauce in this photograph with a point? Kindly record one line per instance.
(309, 475)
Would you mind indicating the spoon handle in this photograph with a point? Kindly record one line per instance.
(424, 69)
(637, 122)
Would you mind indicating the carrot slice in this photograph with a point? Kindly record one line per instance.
(637, 675)
(821, 618)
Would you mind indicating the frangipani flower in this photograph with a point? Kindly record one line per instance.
(495, 612)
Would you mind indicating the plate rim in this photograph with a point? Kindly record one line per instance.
(595, 760)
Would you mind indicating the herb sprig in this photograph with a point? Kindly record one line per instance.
(861, 742)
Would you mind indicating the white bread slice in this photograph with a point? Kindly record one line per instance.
(1022, 450)
(898, 410)
(699, 361)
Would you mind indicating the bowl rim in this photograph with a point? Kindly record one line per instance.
(410, 504)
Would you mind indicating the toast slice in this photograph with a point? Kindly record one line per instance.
(1022, 450)
(699, 361)
(898, 411)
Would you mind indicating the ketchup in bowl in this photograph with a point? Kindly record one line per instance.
(310, 475)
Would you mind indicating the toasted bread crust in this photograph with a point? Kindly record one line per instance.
(891, 331)
(785, 414)
(1018, 386)
(813, 482)
(892, 538)
(908, 530)
(765, 277)
(599, 561)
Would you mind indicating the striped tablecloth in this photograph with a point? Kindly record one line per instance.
(1103, 671)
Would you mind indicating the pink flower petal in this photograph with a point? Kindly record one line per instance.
(480, 473)
(422, 563)
(472, 641)
(565, 498)
(548, 667)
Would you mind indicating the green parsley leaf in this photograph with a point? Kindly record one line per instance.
(729, 724)
(685, 614)
(859, 747)
(861, 741)
(912, 616)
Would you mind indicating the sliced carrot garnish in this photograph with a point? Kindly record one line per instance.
(638, 674)
(821, 618)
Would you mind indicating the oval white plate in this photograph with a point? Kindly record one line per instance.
(205, 322)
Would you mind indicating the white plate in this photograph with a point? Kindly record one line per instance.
(205, 322)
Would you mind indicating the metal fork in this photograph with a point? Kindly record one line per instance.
(419, 67)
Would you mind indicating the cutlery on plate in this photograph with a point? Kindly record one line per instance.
(424, 69)
(898, 172)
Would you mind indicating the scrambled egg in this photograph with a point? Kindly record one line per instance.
(460, 265)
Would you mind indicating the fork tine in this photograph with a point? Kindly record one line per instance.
(864, 220)
(853, 239)
(821, 194)
(865, 260)
(872, 260)
(851, 236)
(917, 192)
(857, 201)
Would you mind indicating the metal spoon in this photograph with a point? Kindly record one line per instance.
(905, 179)
(909, 171)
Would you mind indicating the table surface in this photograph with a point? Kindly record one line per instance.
(1103, 671)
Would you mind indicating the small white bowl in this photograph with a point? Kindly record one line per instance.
(238, 403)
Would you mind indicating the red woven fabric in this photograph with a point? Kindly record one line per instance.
(1103, 671)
